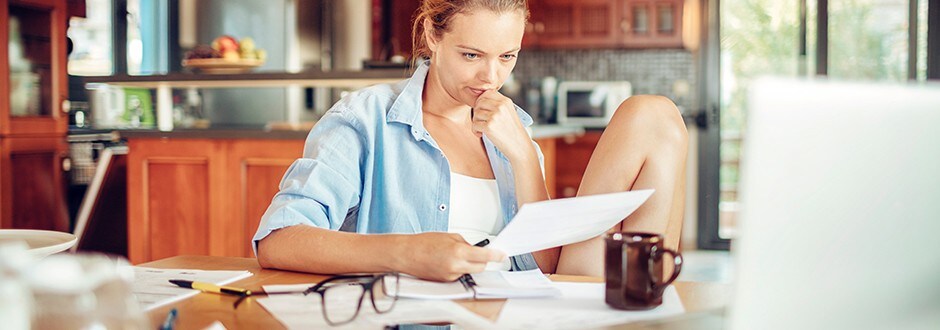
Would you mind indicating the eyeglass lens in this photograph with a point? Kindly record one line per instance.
(385, 293)
(341, 302)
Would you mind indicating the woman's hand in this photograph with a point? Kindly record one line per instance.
(495, 115)
(443, 256)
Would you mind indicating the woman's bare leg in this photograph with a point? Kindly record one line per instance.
(644, 146)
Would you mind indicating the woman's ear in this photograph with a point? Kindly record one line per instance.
(429, 38)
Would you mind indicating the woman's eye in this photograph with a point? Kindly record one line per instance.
(470, 56)
(508, 56)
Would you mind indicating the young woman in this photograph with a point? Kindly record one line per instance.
(406, 177)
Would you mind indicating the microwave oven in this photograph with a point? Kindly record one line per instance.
(590, 103)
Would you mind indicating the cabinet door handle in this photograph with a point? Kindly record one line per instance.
(66, 105)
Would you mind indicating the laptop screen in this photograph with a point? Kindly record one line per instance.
(840, 207)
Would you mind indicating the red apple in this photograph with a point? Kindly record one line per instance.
(225, 44)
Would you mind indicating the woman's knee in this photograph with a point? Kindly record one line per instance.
(655, 114)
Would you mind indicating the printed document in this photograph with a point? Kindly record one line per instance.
(485, 285)
(152, 288)
(547, 224)
(297, 311)
(580, 306)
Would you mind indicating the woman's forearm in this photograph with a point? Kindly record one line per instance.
(527, 173)
(530, 187)
(317, 250)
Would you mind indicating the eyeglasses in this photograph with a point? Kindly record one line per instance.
(342, 295)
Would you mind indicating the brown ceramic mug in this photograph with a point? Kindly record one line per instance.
(634, 270)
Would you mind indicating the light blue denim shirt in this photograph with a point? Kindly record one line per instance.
(370, 166)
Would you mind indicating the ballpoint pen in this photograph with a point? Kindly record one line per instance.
(170, 319)
(209, 287)
(466, 279)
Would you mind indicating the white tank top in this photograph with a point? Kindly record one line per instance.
(474, 211)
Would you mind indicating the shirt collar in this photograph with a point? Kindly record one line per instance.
(406, 108)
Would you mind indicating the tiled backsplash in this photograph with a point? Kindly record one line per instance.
(664, 72)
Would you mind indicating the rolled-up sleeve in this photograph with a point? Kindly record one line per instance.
(318, 189)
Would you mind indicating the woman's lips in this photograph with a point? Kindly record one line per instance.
(476, 91)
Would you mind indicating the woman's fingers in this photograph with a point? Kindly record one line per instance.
(484, 255)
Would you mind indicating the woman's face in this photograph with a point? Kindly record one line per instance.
(477, 54)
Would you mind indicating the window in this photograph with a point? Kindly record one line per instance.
(91, 40)
(866, 40)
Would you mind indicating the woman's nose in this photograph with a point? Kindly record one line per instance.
(489, 73)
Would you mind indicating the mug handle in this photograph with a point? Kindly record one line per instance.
(677, 261)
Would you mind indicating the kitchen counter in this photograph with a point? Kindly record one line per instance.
(256, 79)
(259, 132)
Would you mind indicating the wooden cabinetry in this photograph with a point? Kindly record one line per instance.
(33, 189)
(651, 23)
(554, 24)
(201, 196)
(33, 79)
(573, 154)
(604, 23)
(574, 24)
(32, 122)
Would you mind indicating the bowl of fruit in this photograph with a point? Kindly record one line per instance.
(226, 55)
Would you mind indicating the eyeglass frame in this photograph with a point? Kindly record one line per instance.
(367, 286)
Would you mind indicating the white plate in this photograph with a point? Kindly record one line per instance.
(41, 243)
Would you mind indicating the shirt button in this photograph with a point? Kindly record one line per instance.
(442, 207)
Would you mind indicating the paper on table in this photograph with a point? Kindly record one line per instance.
(215, 326)
(287, 288)
(580, 306)
(152, 288)
(489, 285)
(521, 284)
(415, 288)
(304, 312)
(547, 224)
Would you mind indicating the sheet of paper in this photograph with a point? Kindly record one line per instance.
(152, 287)
(489, 284)
(524, 284)
(304, 312)
(547, 224)
(580, 306)
(215, 326)
(286, 288)
(412, 287)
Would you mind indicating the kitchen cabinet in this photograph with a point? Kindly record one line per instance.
(554, 24)
(392, 22)
(33, 122)
(572, 154)
(201, 196)
(549, 147)
(578, 24)
(651, 23)
(33, 79)
(32, 188)
(574, 24)
(204, 192)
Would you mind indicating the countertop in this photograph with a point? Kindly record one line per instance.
(260, 132)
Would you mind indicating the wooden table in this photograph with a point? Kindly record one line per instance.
(205, 308)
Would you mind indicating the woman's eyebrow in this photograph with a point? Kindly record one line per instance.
(482, 52)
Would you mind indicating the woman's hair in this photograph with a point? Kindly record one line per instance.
(441, 12)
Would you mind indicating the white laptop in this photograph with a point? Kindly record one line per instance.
(840, 218)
